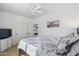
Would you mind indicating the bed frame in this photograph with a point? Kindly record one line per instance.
(22, 53)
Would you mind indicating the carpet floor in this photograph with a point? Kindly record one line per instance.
(11, 51)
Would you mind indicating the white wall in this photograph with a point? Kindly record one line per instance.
(69, 20)
(13, 21)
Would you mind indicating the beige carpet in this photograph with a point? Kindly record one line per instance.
(10, 52)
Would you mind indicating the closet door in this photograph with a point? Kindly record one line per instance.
(30, 30)
(20, 32)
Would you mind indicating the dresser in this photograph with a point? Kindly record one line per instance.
(5, 44)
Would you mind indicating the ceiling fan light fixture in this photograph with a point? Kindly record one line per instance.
(36, 9)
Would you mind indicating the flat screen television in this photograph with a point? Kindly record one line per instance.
(5, 33)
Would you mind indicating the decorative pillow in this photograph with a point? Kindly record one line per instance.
(66, 40)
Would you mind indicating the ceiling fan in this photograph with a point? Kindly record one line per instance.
(36, 9)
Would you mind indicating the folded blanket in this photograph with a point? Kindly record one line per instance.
(28, 48)
(22, 45)
(31, 50)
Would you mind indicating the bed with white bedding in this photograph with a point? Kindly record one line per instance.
(38, 46)
(45, 46)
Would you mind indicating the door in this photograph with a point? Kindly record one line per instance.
(20, 32)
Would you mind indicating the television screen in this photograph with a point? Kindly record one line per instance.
(5, 33)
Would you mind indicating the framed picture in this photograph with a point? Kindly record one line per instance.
(51, 24)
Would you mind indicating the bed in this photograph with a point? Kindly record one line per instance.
(33, 46)
(45, 46)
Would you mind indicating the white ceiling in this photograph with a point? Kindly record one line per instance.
(24, 9)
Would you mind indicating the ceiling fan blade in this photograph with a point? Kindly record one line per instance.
(38, 11)
(37, 7)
